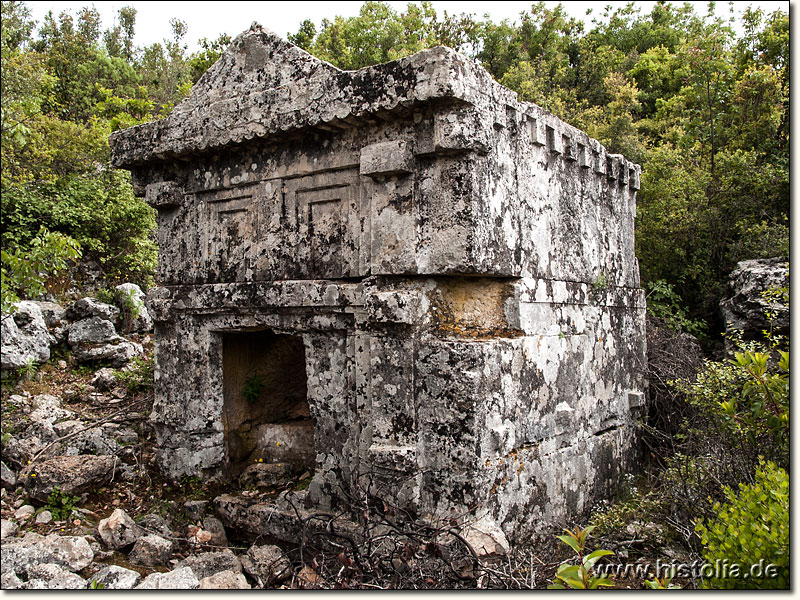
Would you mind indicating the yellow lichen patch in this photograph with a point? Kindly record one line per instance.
(474, 307)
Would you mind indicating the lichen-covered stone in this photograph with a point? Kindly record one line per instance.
(401, 273)
(70, 474)
(24, 337)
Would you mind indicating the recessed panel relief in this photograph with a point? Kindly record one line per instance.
(324, 211)
(231, 226)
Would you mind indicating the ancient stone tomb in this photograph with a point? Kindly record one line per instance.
(400, 273)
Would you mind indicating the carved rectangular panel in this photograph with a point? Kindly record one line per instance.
(324, 207)
(231, 226)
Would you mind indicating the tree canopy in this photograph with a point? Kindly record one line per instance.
(704, 110)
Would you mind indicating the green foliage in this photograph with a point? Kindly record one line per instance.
(97, 585)
(751, 526)
(664, 303)
(253, 386)
(27, 270)
(61, 504)
(580, 576)
(138, 375)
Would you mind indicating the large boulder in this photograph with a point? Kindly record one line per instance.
(131, 299)
(72, 475)
(24, 338)
(745, 306)
(70, 552)
(86, 308)
(95, 339)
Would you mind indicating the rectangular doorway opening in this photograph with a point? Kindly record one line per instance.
(266, 413)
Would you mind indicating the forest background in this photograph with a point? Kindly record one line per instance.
(703, 109)
(700, 101)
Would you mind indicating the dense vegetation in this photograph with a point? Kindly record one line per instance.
(704, 110)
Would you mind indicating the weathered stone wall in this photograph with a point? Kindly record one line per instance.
(459, 266)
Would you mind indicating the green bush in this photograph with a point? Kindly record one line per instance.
(749, 527)
(27, 270)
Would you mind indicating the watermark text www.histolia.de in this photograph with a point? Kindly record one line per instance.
(698, 569)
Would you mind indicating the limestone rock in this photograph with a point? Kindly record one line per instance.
(104, 379)
(208, 563)
(217, 530)
(44, 517)
(87, 308)
(55, 577)
(744, 306)
(24, 512)
(131, 299)
(267, 563)
(151, 550)
(94, 339)
(119, 531)
(24, 337)
(70, 474)
(114, 577)
(156, 524)
(8, 480)
(486, 538)
(264, 475)
(71, 552)
(8, 529)
(179, 579)
(224, 580)
(10, 581)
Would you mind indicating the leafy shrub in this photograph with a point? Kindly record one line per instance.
(580, 576)
(138, 375)
(26, 269)
(751, 526)
(253, 386)
(60, 504)
(663, 302)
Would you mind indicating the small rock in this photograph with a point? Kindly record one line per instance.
(217, 530)
(62, 364)
(119, 531)
(208, 563)
(179, 579)
(267, 563)
(265, 475)
(8, 529)
(70, 474)
(117, 578)
(195, 509)
(104, 379)
(24, 512)
(224, 580)
(44, 517)
(153, 523)
(486, 538)
(8, 480)
(151, 550)
(56, 577)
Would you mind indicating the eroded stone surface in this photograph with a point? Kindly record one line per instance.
(430, 281)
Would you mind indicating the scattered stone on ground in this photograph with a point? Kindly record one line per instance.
(70, 474)
(151, 550)
(267, 563)
(114, 577)
(224, 580)
(179, 579)
(119, 530)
